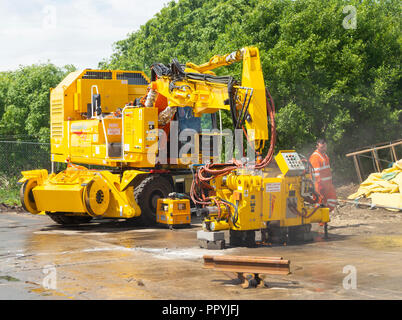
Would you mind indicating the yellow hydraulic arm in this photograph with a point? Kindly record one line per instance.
(198, 87)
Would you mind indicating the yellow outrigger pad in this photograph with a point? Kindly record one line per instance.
(383, 188)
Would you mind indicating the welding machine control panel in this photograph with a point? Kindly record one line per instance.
(290, 163)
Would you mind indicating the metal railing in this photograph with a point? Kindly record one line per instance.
(374, 156)
(17, 156)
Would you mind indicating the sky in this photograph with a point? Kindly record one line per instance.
(78, 32)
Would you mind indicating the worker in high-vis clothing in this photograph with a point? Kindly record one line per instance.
(322, 176)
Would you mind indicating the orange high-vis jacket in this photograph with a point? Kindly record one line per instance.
(322, 177)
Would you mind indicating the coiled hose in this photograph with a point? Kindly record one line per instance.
(211, 171)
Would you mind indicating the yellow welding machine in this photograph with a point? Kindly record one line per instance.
(173, 212)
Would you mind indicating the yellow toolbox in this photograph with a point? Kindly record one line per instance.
(173, 212)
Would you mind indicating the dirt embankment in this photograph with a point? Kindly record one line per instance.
(6, 208)
(353, 219)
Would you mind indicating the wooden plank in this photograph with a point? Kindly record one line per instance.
(357, 167)
(371, 149)
(394, 153)
(377, 163)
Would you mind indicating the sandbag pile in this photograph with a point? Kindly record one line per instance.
(383, 188)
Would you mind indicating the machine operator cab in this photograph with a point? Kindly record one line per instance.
(197, 136)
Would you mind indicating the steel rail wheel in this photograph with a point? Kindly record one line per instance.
(96, 197)
(27, 197)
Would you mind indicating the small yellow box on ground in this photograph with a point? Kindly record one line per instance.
(173, 212)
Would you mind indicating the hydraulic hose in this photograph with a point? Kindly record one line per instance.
(304, 211)
(208, 172)
(271, 113)
(214, 170)
(235, 217)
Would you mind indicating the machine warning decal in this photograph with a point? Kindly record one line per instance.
(113, 131)
(273, 187)
(79, 126)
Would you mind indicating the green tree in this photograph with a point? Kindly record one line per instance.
(329, 81)
(24, 101)
(24, 116)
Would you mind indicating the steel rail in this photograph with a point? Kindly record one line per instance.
(247, 264)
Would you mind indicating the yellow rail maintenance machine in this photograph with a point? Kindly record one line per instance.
(123, 138)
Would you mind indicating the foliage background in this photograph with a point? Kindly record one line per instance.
(24, 123)
(326, 81)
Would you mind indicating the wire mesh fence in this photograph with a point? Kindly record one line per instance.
(17, 156)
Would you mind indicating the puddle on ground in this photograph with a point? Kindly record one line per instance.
(383, 242)
(162, 253)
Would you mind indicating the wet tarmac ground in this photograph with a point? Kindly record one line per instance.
(115, 260)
